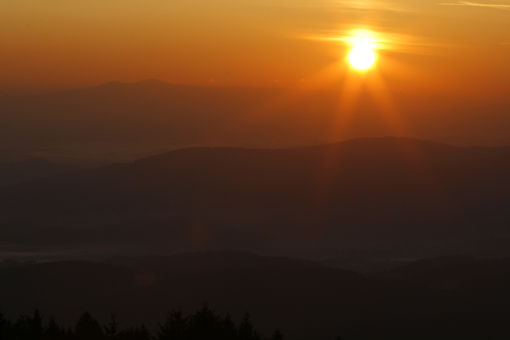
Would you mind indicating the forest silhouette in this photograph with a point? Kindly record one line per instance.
(204, 324)
(445, 298)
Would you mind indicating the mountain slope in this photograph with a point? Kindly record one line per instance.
(303, 301)
(30, 169)
(365, 192)
(118, 121)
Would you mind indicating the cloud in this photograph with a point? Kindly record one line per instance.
(477, 4)
(380, 39)
(381, 5)
(357, 5)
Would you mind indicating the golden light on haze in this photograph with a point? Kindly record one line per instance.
(370, 55)
(364, 80)
(361, 45)
(63, 43)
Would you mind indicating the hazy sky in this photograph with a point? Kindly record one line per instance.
(444, 46)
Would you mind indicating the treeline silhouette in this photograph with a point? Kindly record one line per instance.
(204, 324)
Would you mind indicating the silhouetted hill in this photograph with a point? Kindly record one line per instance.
(122, 120)
(383, 193)
(302, 301)
(363, 264)
(449, 271)
(30, 169)
(209, 260)
(118, 121)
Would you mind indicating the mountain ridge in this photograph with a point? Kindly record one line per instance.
(12, 173)
(302, 301)
(380, 192)
(121, 120)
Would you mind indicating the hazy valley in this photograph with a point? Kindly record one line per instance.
(388, 237)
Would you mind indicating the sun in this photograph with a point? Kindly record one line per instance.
(362, 56)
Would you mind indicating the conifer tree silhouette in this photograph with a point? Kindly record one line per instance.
(133, 333)
(277, 335)
(228, 328)
(111, 329)
(142, 333)
(27, 327)
(87, 328)
(204, 324)
(174, 327)
(52, 331)
(5, 327)
(245, 330)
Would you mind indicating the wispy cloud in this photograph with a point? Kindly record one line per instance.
(477, 4)
(379, 40)
(359, 5)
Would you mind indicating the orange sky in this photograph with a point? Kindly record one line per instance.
(444, 46)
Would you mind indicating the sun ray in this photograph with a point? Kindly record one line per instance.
(370, 82)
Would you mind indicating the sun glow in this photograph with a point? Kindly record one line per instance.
(360, 84)
(362, 56)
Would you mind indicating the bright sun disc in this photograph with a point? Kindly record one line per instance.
(362, 57)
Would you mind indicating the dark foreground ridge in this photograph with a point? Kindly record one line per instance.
(204, 324)
(444, 298)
